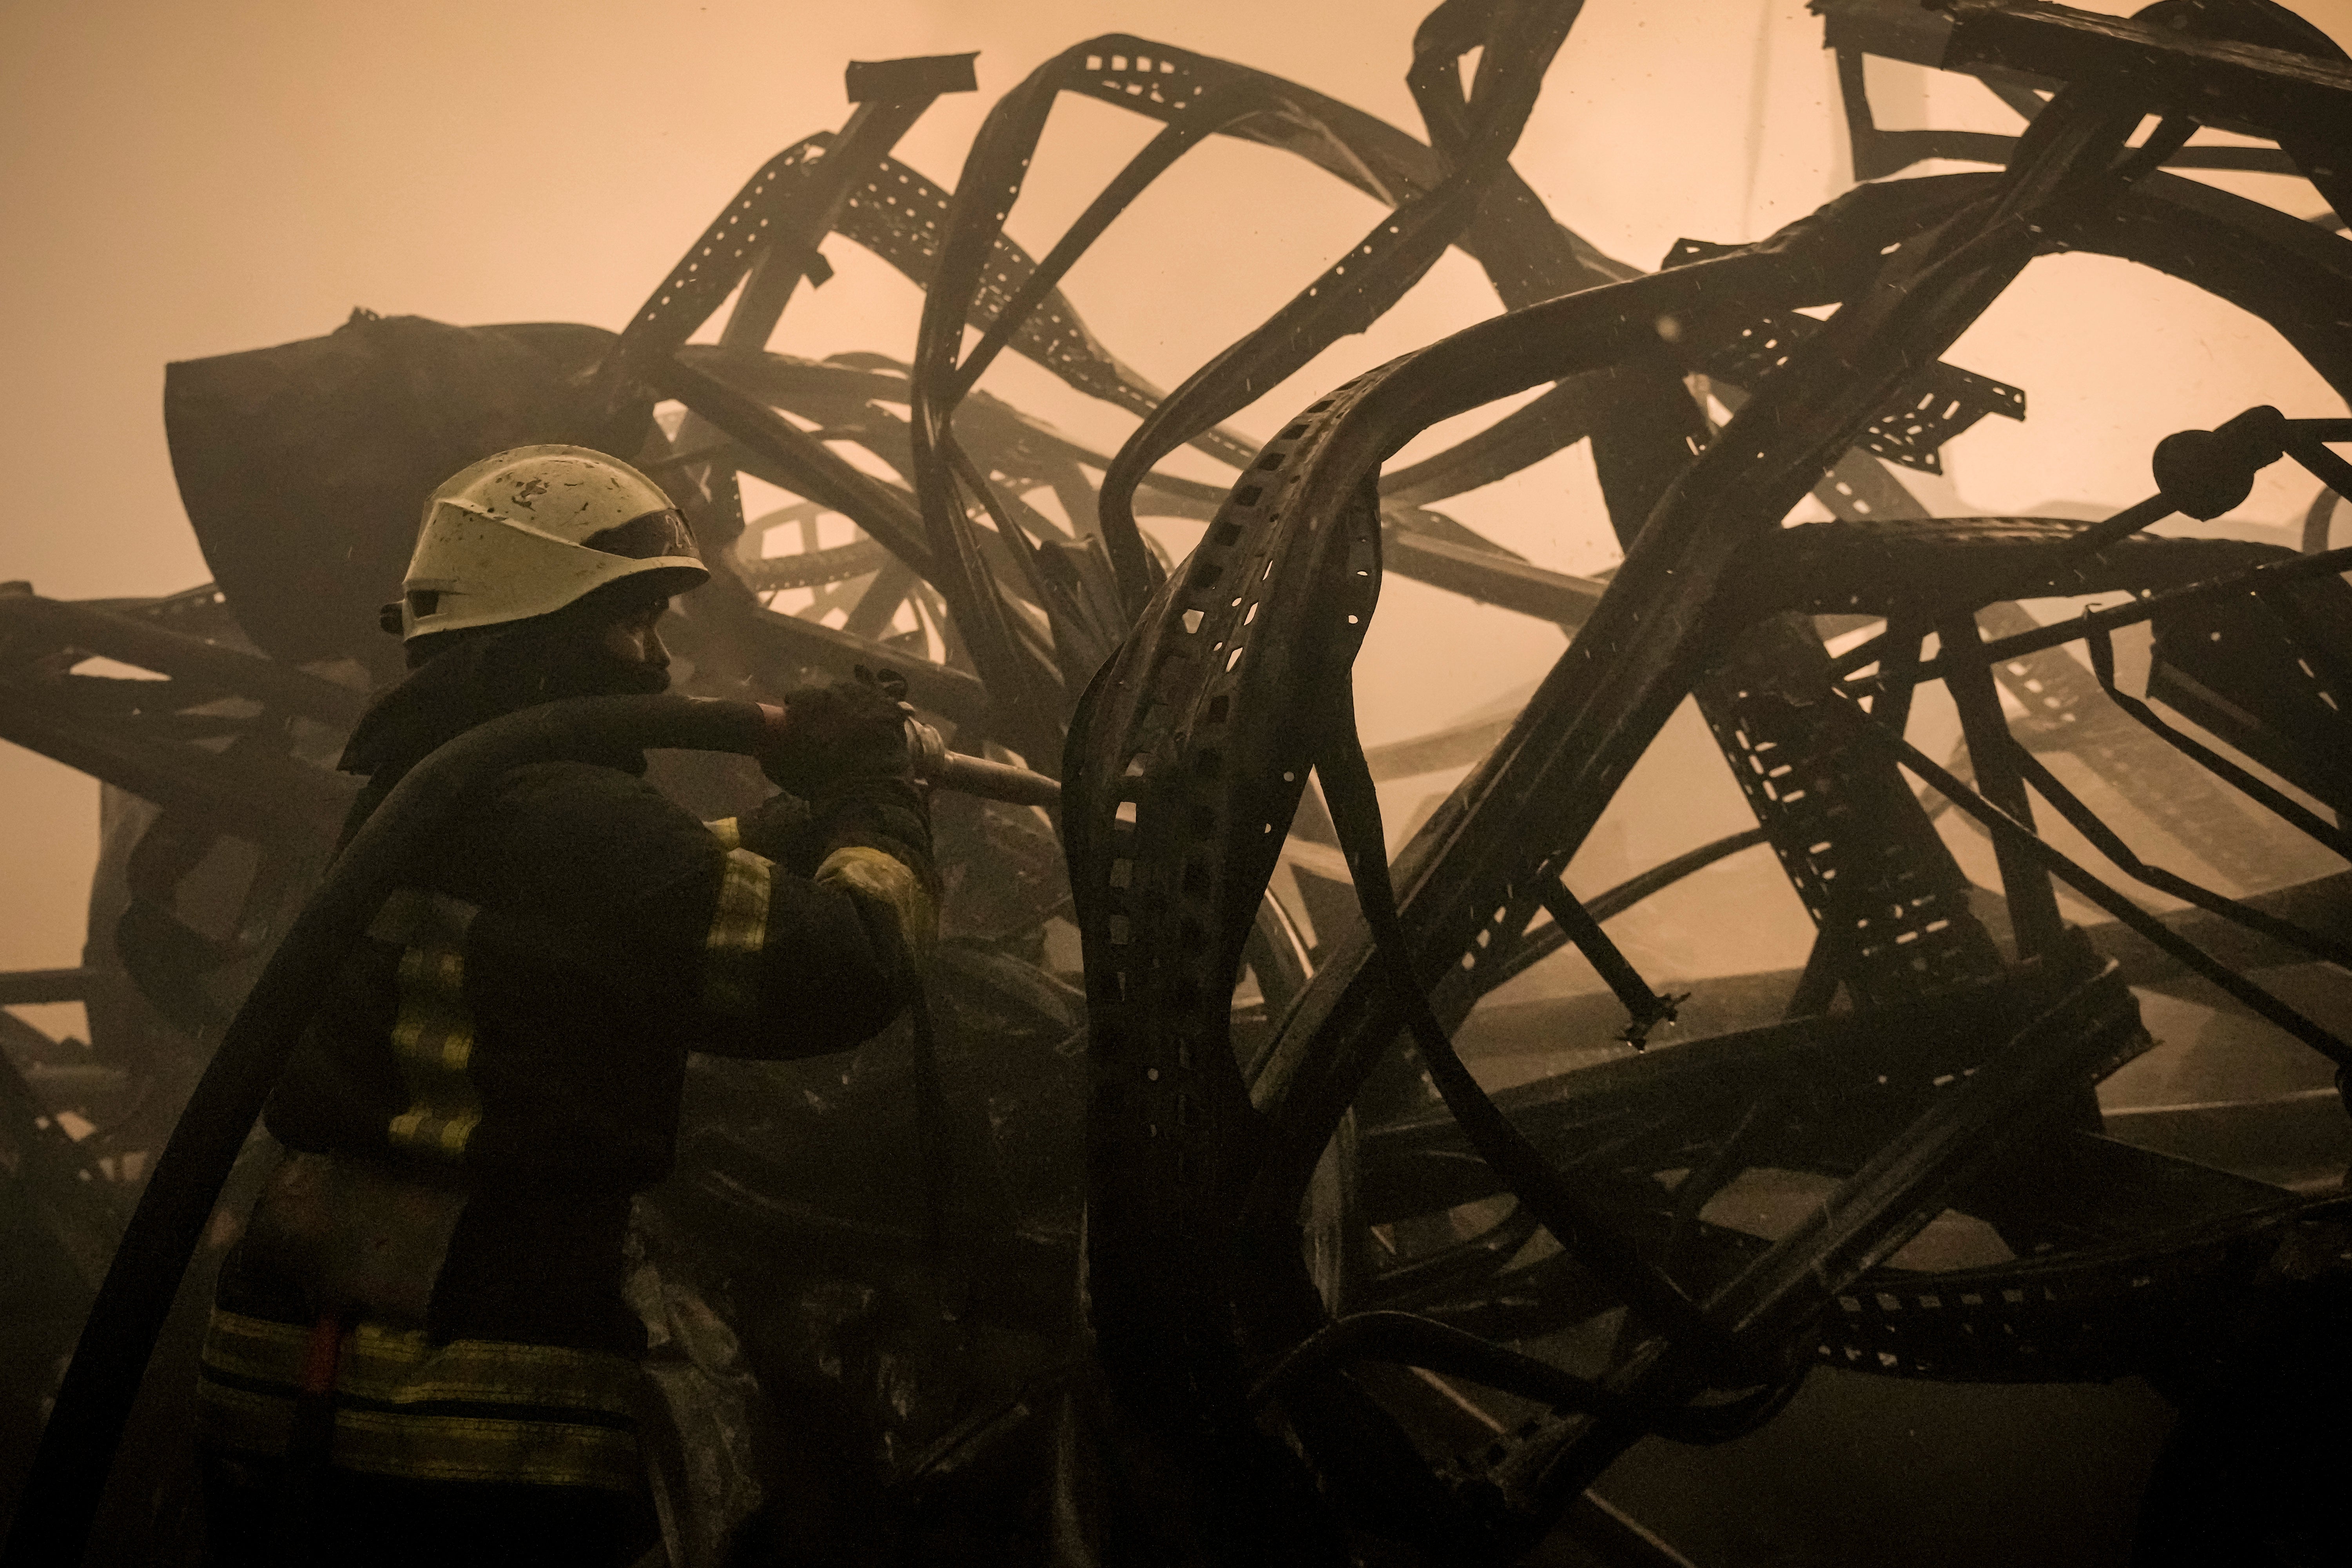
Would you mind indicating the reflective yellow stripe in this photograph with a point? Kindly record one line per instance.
(870, 873)
(433, 1033)
(413, 914)
(728, 831)
(429, 1448)
(403, 1366)
(473, 1448)
(383, 1367)
(738, 933)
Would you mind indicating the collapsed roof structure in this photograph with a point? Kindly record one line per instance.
(1339, 1293)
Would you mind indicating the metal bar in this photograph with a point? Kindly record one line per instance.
(878, 604)
(2112, 844)
(1722, 1164)
(1559, 418)
(26, 987)
(244, 796)
(2000, 824)
(1213, 112)
(1824, 970)
(1457, 745)
(1649, 1009)
(1395, 254)
(2058, 635)
(1017, 545)
(797, 461)
(1997, 758)
(1461, 860)
(1546, 940)
(1410, 1340)
(1564, 1210)
(2162, 70)
(1898, 672)
(1026, 694)
(47, 1173)
(2303, 444)
(1489, 577)
(2102, 650)
(27, 617)
(2066, 710)
(1658, 877)
(814, 568)
(1889, 1200)
(1615, 1538)
(2090, 542)
(811, 211)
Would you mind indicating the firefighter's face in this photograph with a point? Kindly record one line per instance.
(636, 635)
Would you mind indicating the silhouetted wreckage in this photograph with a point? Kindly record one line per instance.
(1280, 1281)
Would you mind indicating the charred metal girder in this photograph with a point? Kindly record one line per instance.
(1197, 97)
(2288, 82)
(1489, 577)
(1156, 829)
(1939, 405)
(2029, 49)
(252, 794)
(2235, 665)
(1153, 839)
(903, 217)
(814, 568)
(1473, 146)
(909, 221)
(34, 629)
(1882, 567)
(2064, 713)
(1166, 695)
(148, 736)
(1822, 1096)
(2183, 228)
(783, 452)
(2021, 1087)
(2275, 637)
(769, 233)
(2129, 1306)
(1891, 903)
(1558, 791)
(1871, 1072)
(21, 986)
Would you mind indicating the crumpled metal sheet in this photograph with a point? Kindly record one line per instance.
(1003, 868)
(304, 467)
(711, 1424)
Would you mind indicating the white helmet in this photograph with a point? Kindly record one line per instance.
(532, 530)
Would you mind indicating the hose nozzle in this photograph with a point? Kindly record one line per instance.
(967, 775)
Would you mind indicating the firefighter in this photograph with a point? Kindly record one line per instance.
(419, 1350)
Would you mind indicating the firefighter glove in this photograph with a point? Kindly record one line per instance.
(835, 734)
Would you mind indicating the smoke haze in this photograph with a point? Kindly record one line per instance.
(185, 180)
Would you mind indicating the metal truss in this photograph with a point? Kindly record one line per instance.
(1285, 1203)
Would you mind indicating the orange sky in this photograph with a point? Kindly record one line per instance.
(185, 179)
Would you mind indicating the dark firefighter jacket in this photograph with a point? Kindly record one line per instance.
(498, 1069)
